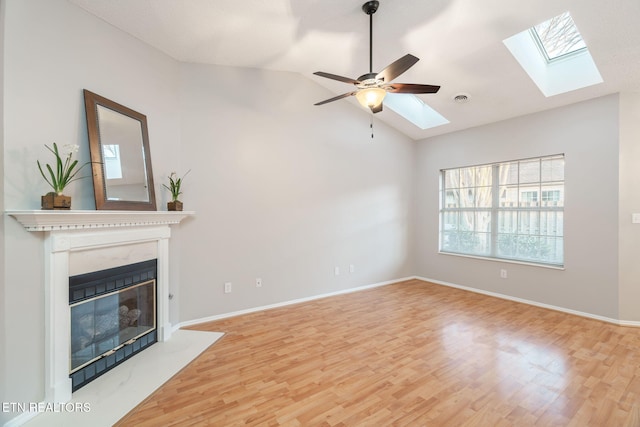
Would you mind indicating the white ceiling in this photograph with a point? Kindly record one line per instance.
(459, 43)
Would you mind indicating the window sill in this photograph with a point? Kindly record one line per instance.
(507, 261)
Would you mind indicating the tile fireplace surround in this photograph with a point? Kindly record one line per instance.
(80, 240)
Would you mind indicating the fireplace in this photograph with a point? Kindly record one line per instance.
(80, 242)
(113, 317)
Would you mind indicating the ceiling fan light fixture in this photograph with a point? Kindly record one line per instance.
(371, 97)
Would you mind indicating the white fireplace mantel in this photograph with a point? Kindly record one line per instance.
(44, 220)
(79, 231)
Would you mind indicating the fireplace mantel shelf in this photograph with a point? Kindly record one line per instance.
(41, 220)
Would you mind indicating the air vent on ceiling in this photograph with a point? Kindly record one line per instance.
(461, 98)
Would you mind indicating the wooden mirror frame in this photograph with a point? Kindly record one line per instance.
(92, 101)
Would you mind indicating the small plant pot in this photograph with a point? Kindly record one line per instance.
(53, 201)
(175, 205)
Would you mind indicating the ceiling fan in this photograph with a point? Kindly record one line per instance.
(372, 87)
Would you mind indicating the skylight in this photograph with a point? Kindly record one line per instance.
(558, 36)
(415, 110)
(555, 56)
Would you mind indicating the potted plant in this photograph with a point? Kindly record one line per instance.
(175, 185)
(65, 173)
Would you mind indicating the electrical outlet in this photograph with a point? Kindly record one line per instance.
(258, 282)
(503, 273)
(336, 271)
(227, 287)
(352, 268)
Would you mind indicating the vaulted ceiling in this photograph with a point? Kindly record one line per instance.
(459, 43)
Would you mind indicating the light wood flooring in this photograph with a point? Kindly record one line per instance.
(407, 354)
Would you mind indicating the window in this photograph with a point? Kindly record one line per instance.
(558, 36)
(551, 196)
(511, 210)
(112, 163)
(529, 196)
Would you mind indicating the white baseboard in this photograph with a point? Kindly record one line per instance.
(633, 323)
(533, 303)
(285, 303)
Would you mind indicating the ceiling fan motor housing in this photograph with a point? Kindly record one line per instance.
(368, 80)
(370, 7)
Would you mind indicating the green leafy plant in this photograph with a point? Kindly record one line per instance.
(175, 184)
(65, 170)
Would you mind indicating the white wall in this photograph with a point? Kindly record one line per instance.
(285, 191)
(282, 189)
(629, 193)
(587, 133)
(52, 51)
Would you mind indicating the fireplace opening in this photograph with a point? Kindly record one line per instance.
(113, 317)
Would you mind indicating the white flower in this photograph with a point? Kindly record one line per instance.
(69, 149)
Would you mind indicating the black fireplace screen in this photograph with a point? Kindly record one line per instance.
(113, 317)
(103, 324)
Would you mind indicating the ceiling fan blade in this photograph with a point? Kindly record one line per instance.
(335, 98)
(377, 109)
(336, 77)
(396, 68)
(411, 88)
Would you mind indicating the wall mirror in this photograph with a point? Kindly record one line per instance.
(121, 161)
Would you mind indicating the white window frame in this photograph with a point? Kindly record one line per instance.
(558, 34)
(552, 210)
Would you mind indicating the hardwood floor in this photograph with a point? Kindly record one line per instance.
(408, 354)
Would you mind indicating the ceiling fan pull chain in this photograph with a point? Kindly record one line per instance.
(371, 126)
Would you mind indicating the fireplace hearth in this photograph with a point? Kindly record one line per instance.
(113, 317)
